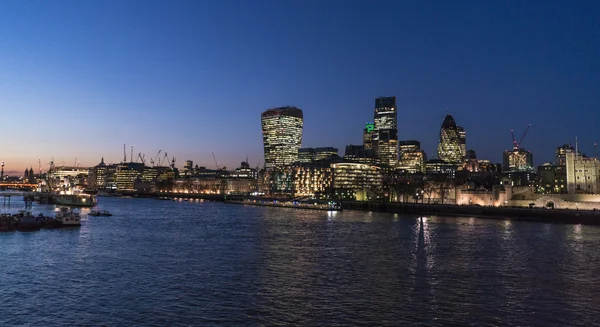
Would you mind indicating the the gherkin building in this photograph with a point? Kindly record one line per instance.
(449, 148)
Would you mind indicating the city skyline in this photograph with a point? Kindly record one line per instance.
(82, 79)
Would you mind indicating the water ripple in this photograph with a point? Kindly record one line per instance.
(165, 263)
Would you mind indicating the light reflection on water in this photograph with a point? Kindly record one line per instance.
(170, 263)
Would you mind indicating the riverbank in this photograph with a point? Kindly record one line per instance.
(530, 214)
(542, 215)
(290, 205)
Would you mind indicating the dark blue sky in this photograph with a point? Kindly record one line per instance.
(80, 78)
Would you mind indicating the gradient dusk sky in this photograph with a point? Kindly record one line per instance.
(81, 78)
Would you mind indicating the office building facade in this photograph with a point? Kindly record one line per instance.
(412, 158)
(282, 135)
(385, 138)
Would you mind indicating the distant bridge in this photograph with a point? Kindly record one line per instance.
(17, 185)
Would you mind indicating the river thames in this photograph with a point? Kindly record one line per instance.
(179, 263)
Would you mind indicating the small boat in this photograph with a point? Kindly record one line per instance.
(98, 213)
(68, 217)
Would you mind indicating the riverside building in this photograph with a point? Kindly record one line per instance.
(282, 135)
(583, 174)
(358, 181)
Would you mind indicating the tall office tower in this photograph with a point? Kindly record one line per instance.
(449, 148)
(385, 140)
(282, 135)
(462, 138)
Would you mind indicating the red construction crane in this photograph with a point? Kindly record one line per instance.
(517, 145)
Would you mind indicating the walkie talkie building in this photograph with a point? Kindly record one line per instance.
(282, 135)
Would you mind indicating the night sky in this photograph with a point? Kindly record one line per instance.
(81, 78)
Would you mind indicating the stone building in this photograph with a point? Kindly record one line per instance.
(583, 174)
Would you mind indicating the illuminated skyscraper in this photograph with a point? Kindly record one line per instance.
(449, 148)
(385, 139)
(462, 138)
(282, 135)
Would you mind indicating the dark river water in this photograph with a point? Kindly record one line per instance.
(168, 263)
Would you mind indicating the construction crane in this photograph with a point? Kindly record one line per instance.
(517, 145)
(142, 158)
(75, 163)
(173, 162)
(131, 157)
(164, 160)
(152, 161)
(215, 158)
(124, 153)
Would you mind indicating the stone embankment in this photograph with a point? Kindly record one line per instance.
(588, 217)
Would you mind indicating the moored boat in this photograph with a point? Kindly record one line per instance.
(8, 223)
(27, 222)
(75, 200)
(67, 217)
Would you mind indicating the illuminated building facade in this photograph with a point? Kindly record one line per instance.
(561, 154)
(188, 168)
(412, 158)
(325, 152)
(281, 181)
(441, 167)
(359, 181)
(462, 139)
(471, 164)
(552, 179)
(583, 174)
(312, 179)
(517, 160)
(66, 171)
(306, 155)
(449, 147)
(98, 176)
(244, 171)
(282, 135)
(385, 140)
(358, 154)
(126, 175)
(368, 135)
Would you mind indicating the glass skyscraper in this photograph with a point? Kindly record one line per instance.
(449, 148)
(282, 135)
(385, 138)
